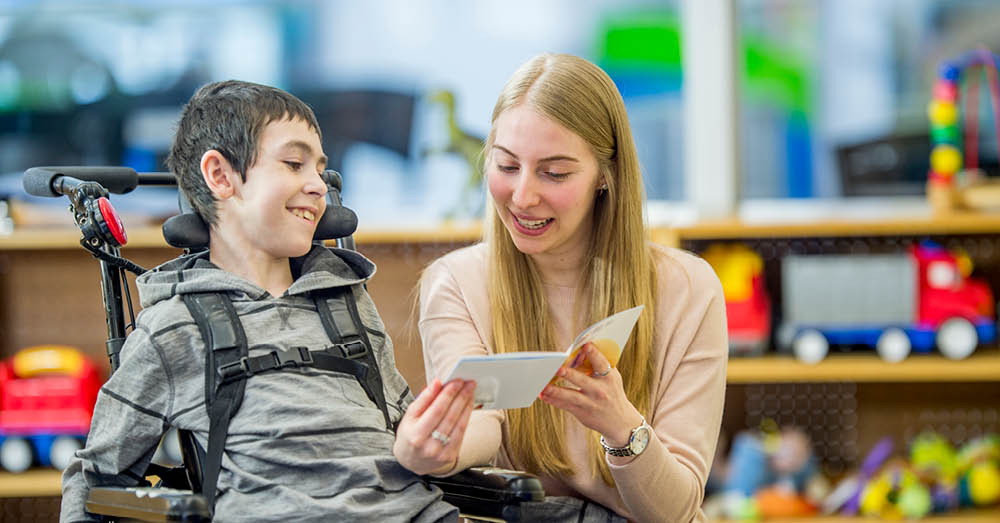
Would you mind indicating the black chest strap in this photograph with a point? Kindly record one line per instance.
(338, 311)
(225, 343)
(228, 364)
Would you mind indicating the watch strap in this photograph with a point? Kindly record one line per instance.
(627, 449)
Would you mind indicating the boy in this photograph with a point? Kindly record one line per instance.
(306, 444)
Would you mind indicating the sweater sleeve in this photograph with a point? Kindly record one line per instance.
(688, 406)
(448, 332)
(129, 418)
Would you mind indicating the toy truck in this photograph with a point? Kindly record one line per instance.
(748, 306)
(894, 303)
(47, 396)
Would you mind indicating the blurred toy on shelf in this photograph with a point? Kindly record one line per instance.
(748, 305)
(892, 302)
(770, 473)
(935, 462)
(47, 396)
(895, 493)
(935, 479)
(979, 466)
(955, 181)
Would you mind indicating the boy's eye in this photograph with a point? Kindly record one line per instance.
(295, 166)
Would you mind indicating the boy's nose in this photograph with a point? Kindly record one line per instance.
(316, 185)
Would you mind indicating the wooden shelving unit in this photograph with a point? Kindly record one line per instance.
(955, 223)
(982, 366)
(38, 254)
(41, 483)
(45, 238)
(31, 483)
(967, 516)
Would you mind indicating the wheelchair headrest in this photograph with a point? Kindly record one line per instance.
(188, 231)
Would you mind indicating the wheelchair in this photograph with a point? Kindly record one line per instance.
(480, 493)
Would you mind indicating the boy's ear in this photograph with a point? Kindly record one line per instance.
(220, 177)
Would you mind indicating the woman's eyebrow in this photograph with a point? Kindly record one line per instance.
(553, 158)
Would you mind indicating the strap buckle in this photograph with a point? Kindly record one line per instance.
(235, 370)
(354, 350)
(292, 357)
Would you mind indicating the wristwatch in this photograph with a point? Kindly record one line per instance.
(637, 441)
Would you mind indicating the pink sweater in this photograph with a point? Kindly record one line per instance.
(666, 482)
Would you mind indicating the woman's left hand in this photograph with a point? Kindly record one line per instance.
(599, 403)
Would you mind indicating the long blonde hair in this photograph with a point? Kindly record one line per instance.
(619, 273)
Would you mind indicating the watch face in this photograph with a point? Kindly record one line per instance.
(639, 440)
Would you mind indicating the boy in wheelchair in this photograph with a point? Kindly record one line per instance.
(264, 344)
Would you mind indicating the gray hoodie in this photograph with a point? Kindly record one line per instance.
(306, 444)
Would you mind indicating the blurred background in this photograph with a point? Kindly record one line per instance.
(399, 86)
(830, 113)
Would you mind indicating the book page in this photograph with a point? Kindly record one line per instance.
(514, 380)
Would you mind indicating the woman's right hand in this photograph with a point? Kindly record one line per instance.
(429, 436)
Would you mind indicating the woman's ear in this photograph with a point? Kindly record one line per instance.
(218, 173)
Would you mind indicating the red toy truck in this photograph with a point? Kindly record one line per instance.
(47, 396)
(895, 303)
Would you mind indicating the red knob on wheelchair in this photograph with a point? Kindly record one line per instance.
(112, 230)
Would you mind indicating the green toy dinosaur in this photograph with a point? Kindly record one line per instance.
(469, 147)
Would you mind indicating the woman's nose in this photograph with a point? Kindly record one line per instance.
(525, 193)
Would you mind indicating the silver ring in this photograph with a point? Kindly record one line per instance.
(601, 374)
(440, 436)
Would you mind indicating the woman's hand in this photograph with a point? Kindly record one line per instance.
(430, 434)
(597, 400)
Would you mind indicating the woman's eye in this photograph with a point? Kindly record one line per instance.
(295, 166)
(556, 176)
(507, 168)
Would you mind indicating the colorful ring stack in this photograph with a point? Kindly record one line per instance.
(946, 157)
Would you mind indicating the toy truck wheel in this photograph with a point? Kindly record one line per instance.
(957, 338)
(893, 345)
(62, 451)
(16, 455)
(810, 346)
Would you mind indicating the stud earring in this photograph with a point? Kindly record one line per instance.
(603, 187)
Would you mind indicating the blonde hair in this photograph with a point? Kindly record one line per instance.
(619, 273)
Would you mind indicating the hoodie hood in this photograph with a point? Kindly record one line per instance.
(320, 268)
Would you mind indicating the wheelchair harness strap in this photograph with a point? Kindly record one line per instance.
(228, 364)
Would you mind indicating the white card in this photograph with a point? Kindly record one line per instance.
(513, 380)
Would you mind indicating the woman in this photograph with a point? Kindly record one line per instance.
(566, 245)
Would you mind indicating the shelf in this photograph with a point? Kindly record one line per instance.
(965, 516)
(31, 483)
(955, 223)
(47, 483)
(46, 238)
(470, 231)
(983, 365)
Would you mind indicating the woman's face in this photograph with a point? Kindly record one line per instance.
(544, 180)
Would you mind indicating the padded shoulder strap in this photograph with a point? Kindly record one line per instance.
(225, 343)
(338, 311)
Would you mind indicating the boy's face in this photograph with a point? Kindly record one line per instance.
(278, 206)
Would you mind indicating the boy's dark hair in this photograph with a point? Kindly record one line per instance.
(227, 117)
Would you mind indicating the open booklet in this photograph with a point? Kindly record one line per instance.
(513, 380)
